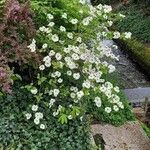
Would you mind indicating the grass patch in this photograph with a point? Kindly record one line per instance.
(138, 52)
(136, 22)
(146, 129)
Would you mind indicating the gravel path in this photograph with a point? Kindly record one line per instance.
(127, 137)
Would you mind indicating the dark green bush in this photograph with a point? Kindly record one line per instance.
(115, 118)
(16, 133)
(135, 22)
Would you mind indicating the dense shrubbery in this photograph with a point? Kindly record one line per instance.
(113, 118)
(71, 78)
(145, 2)
(16, 133)
(136, 22)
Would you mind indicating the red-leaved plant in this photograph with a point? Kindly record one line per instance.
(16, 29)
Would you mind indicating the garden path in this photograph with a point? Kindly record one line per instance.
(129, 136)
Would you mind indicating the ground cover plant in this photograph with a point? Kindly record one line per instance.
(135, 21)
(69, 80)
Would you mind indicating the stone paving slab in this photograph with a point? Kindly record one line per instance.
(137, 94)
(126, 137)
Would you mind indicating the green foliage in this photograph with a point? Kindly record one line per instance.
(16, 133)
(146, 129)
(145, 2)
(135, 22)
(115, 118)
(55, 7)
(96, 2)
(139, 52)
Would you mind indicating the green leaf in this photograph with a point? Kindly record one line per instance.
(63, 119)
(15, 77)
(1, 94)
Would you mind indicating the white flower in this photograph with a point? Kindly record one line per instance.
(74, 21)
(82, 2)
(50, 92)
(66, 50)
(108, 110)
(120, 104)
(116, 35)
(70, 35)
(60, 80)
(35, 107)
(50, 16)
(86, 84)
(115, 107)
(64, 15)
(32, 46)
(36, 121)
(28, 116)
(58, 56)
(86, 21)
(52, 101)
(55, 114)
(98, 101)
(100, 6)
(75, 56)
(42, 126)
(34, 91)
(107, 8)
(42, 67)
(111, 68)
(116, 89)
(128, 35)
(47, 64)
(81, 118)
(38, 115)
(55, 38)
(80, 94)
(56, 92)
(46, 59)
(63, 29)
(70, 117)
(76, 76)
(42, 29)
(69, 73)
(72, 95)
(105, 16)
(57, 74)
(79, 39)
(45, 46)
(110, 23)
(51, 24)
(51, 53)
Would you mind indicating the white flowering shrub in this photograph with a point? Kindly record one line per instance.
(74, 70)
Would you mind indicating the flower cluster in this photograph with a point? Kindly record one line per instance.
(72, 70)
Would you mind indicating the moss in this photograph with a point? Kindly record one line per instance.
(139, 53)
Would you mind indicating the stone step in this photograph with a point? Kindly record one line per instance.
(137, 94)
